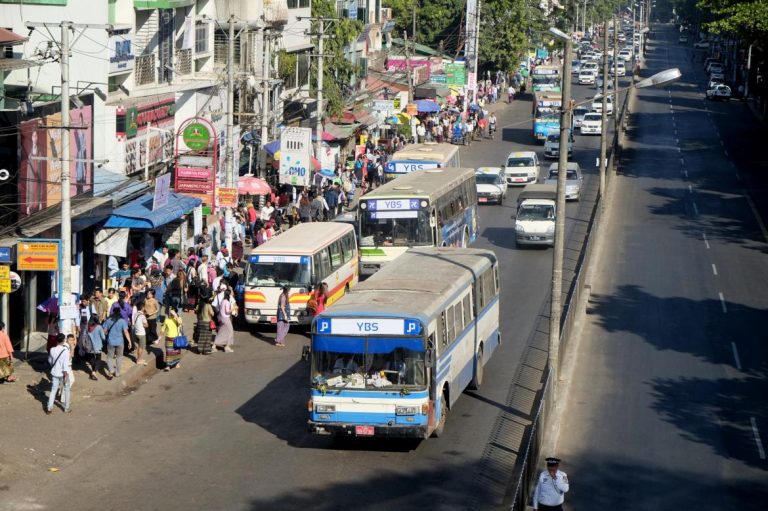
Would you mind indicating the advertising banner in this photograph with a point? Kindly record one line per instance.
(121, 56)
(295, 156)
(455, 74)
(226, 197)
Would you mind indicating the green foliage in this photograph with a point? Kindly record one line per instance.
(402, 12)
(286, 65)
(338, 70)
(746, 17)
(503, 38)
(440, 21)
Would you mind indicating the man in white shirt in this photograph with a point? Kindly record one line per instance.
(60, 368)
(266, 212)
(551, 488)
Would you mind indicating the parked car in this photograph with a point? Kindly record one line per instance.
(575, 67)
(701, 44)
(710, 62)
(573, 179)
(592, 124)
(719, 91)
(715, 81)
(491, 185)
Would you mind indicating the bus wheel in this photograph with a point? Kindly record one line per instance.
(440, 429)
(477, 379)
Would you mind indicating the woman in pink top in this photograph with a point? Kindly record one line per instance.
(6, 356)
(321, 296)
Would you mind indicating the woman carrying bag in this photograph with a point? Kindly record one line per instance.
(172, 330)
(225, 335)
(205, 323)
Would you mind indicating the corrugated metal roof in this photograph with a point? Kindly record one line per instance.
(138, 214)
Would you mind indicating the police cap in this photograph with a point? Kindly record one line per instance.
(553, 461)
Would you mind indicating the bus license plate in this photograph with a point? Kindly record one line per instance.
(273, 319)
(482, 199)
(364, 430)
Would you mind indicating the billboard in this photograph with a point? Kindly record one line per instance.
(295, 156)
(40, 163)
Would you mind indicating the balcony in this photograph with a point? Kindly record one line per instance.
(276, 11)
(145, 69)
(184, 62)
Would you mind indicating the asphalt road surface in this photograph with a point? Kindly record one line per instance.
(667, 408)
(229, 431)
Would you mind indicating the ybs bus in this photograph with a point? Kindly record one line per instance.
(434, 207)
(420, 157)
(546, 114)
(392, 357)
(302, 258)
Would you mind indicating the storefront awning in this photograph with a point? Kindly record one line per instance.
(138, 214)
(341, 131)
(85, 211)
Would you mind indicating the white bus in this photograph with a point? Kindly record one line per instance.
(422, 156)
(391, 358)
(302, 258)
(433, 208)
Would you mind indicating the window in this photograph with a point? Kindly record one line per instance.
(458, 318)
(479, 293)
(336, 256)
(442, 336)
(496, 278)
(467, 310)
(348, 246)
(450, 332)
(322, 265)
(293, 4)
(304, 4)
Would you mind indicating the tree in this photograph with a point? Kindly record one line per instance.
(402, 13)
(503, 35)
(441, 21)
(747, 17)
(339, 71)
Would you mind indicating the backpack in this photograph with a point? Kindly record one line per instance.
(84, 344)
(312, 304)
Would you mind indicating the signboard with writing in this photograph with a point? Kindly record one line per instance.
(162, 191)
(295, 156)
(405, 166)
(383, 105)
(5, 254)
(37, 256)
(121, 56)
(438, 79)
(5, 272)
(455, 74)
(368, 326)
(196, 136)
(226, 197)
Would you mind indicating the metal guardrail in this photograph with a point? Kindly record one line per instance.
(527, 466)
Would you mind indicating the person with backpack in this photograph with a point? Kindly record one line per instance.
(317, 208)
(172, 329)
(96, 336)
(60, 368)
(332, 199)
(122, 307)
(117, 334)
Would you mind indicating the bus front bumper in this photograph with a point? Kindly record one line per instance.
(368, 431)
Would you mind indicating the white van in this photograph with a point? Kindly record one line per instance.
(521, 167)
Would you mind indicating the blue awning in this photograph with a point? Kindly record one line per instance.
(138, 213)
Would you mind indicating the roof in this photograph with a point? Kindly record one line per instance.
(9, 37)
(430, 183)
(304, 238)
(138, 213)
(521, 154)
(426, 152)
(416, 284)
(415, 47)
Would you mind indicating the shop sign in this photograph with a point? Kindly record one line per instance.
(411, 109)
(226, 197)
(133, 118)
(162, 191)
(5, 254)
(37, 256)
(196, 136)
(438, 79)
(295, 156)
(383, 105)
(455, 74)
(121, 56)
(196, 174)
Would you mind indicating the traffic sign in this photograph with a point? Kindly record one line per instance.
(5, 272)
(37, 256)
(5, 285)
(5, 254)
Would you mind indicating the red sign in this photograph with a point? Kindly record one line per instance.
(194, 186)
(194, 173)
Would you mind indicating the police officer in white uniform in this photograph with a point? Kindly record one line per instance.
(551, 488)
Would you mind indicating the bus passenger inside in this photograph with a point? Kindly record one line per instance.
(345, 364)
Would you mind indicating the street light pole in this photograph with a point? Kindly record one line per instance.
(555, 311)
(604, 113)
(65, 293)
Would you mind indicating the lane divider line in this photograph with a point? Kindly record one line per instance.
(725, 152)
(736, 356)
(706, 241)
(714, 269)
(695, 209)
(685, 172)
(758, 441)
(690, 189)
(722, 303)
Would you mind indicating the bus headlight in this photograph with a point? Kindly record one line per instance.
(406, 410)
(363, 205)
(424, 204)
(253, 312)
(325, 408)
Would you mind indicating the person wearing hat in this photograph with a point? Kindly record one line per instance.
(551, 487)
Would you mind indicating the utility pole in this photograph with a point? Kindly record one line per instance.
(229, 152)
(408, 67)
(65, 266)
(615, 74)
(266, 112)
(320, 61)
(604, 113)
(555, 311)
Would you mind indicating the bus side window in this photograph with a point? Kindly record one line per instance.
(467, 310)
(496, 278)
(442, 336)
(336, 257)
(450, 325)
(488, 286)
(458, 318)
(322, 265)
(480, 293)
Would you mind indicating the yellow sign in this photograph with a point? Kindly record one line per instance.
(226, 197)
(5, 272)
(5, 285)
(37, 256)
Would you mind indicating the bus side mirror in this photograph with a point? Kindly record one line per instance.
(305, 351)
(429, 357)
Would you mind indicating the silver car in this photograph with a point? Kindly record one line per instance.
(578, 115)
(573, 179)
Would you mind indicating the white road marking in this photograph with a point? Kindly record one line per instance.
(679, 150)
(685, 173)
(682, 161)
(760, 450)
(706, 241)
(690, 189)
(736, 356)
(714, 269)
(738, 177)
(722, 303)
(677, 140)
(695, 209)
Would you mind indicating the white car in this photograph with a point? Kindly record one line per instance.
(491, 185)
(597, 103)
(719, 91)
(589, 66)
(716, 70)
(552, 144)
(586, 77)
(599, 83)
(625, 55)
(715, 81)
(578, 115)
(592, 124)
(522, 167)
(701, 44)
(620, 69)
(573, 179)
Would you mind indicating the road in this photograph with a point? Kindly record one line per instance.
(228, 432)
(667, 407)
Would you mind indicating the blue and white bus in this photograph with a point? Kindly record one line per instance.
(420, 157)
(392, 356)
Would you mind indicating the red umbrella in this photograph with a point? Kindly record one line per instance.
(251, 185)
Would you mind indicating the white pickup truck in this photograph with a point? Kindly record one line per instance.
(719, 91)
(535, 220)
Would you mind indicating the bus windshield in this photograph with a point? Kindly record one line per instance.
(395, 228)
(536, 212)
(396, 368)
(278, 274)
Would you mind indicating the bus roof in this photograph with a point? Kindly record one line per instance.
(429, 183)
(426, 152)
(415, 285)
(304, 238)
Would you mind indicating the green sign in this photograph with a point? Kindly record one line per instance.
(196, 136)
(455, 74)
(161, 4)
(440, 79)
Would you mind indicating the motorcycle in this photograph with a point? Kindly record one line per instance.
(491, 131)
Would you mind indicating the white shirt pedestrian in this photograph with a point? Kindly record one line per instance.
(550, 489)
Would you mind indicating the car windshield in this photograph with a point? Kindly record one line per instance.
(553, 138)
(278, 274)
(593, 117)
(398, 368)
(520, 162)
(536, 212)
(395, 228)
(487, 179)
(569, 174)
